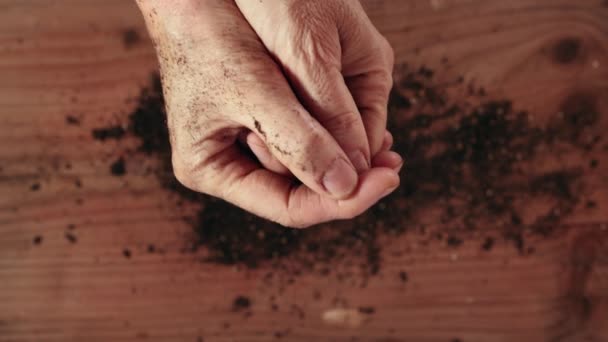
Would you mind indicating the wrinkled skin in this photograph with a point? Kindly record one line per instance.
(303, 84)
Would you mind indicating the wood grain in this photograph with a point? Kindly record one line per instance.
(69, 57)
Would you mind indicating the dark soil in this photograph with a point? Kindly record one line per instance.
(130, 38)
(71, 237)
(368, 310)
(112, 132)
(72, 120)
(241, 303)
(403, 276)
(488, 244)
(118, 167)
(467, 155)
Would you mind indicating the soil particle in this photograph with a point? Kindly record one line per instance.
(258, 127)
(368, 310)
(118, 167)
(594, 163)
(454, 241)
(404, 277)
(72, 120)
(112, 132)
(567, 50)
(130, 38)
(488, 244)
(241, 303)
(71, 237)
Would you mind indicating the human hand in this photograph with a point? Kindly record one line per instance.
(338, 63)
(221, 84)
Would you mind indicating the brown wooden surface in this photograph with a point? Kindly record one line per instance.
(61, 58)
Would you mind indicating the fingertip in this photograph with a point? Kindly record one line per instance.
(392, 185)
(388, 159)
(388, 141)
(374, 185)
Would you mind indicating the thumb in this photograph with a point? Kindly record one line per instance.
(303, 145)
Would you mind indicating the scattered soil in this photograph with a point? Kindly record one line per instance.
(467, 156)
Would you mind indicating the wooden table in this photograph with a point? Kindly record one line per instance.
(70, 58)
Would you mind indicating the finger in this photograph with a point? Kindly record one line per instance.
(371, 91)
(259, 149)
(387, 144)
(389, 160)
(374, 185)
(369, 77)
(328, 99)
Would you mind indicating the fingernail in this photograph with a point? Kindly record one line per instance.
(341, 179)
(359, 161)
(398, 168)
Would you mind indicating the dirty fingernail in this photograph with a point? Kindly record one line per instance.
(341, 179)
(359, 161)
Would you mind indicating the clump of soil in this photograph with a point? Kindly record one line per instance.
(241, 303)
(37, 239)
(71, 237)
(118, 168)
(468, 157)
(130, 38)
(111, 132)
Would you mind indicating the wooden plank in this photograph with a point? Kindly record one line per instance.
(69, 58)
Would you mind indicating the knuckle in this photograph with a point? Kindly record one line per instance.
(342, 122)
(312, 24)
(385, 81)
(350, 213)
